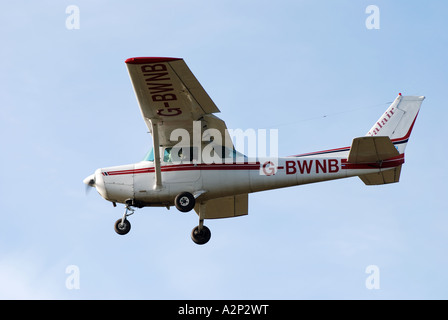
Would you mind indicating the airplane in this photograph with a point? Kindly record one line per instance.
(206, 173)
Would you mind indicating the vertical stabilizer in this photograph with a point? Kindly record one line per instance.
(398, 120)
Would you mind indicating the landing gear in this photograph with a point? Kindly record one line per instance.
(184, 201)
(201, 236)
(123, 226)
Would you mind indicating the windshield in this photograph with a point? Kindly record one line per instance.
(149, 155)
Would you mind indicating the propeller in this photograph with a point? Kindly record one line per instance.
(89, 182)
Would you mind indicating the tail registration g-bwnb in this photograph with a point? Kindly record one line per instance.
(172, 100)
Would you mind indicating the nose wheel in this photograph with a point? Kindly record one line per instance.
(123, 226)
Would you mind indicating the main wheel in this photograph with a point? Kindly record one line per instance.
(122, 228)
(201, 237)
(184, 201)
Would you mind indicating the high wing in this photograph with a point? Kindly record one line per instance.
(170, 97)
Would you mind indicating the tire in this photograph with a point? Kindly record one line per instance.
(184, 202)
(124, 228)
(201, 237)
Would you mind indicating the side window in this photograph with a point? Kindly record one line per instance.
(167, 155)
(180, 154)
(222, 152)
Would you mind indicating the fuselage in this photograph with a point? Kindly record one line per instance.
(137, 181)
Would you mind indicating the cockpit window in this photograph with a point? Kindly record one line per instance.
(188, 154)
(169, 154)
(180, 154)
(227, 153)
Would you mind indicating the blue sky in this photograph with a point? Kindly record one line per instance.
(67, 107)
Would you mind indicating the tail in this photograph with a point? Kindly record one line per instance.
(385, 143)
(398, 120)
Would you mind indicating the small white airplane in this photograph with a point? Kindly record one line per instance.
(208, 175)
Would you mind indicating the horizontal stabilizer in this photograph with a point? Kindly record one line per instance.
(375, 150)
(371, 150)
(383, 177)
(226, 207)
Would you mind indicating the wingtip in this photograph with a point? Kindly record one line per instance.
(142, 60)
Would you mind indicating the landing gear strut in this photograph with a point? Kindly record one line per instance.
(201, 234)
(123, 226)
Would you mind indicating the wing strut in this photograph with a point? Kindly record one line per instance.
(156, 145)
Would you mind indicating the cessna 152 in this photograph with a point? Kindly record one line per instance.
(182, 174)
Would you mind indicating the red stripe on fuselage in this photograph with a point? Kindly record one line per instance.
(345, 165)
(389, 163)
(188, 167)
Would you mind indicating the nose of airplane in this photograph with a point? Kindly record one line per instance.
(96, 180)
(89, 181)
